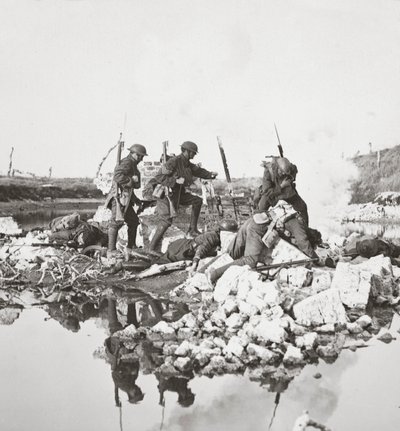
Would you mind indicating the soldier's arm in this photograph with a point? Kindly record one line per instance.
(167, 174)
(207, 242)
(201, 172)
(122, 174)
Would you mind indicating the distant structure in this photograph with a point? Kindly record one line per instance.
(10, 169)
(50, 171)
(370, 147)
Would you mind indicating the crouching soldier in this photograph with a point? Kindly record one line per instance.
(258, 234)
(279, 183)
(121, 199)
(203, 245)
(168, 186)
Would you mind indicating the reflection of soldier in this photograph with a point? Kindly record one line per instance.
(124, 372)
(176, 384)
(70, 316)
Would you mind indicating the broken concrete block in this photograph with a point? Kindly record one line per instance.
(9, 315)
(230, 305)
(185, 333)
(234, 321)
(183, 364)
(261, 352)
(247, 309)
(254, 300)
(243, 289)
(234, 346)
(325, 307)
(353, 285)
(217, 364)
(306, 341)
(321, 281)
(284, 252)
(270, 331)
(377, 265)
(200, 282)
(219, 342)
(354, 328)
(364, 321)
(218, 317)
(228, 282)
(184, 349)
(190, 290)
(293, 356)
(384, 287)
(222, 260)
(298, 276)
(163, 328)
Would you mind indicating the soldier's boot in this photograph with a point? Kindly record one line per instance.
(112, 242)
(132, 232)
(158, 234)
(194, 217)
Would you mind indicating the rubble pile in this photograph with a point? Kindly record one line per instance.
(370, 212)
(31, 259)
(8, 226)
(247, 323)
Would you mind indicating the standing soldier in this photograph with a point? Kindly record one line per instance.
(279, 182)
(169, 188)
(121, 199)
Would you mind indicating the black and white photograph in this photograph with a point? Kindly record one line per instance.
(200, 215)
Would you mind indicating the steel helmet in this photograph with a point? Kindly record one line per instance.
(284, 165)
(191, 146)
(229, 225)
(138, 149)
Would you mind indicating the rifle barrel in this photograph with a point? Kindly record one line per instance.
(288, 263)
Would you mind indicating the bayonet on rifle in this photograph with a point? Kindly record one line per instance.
(227, 175)
(279, 142)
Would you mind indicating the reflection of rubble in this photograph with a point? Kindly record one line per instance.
(8, 226)
(246, 323)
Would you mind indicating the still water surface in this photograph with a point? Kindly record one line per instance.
(50, 380)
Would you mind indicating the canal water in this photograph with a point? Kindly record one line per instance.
(54, 377)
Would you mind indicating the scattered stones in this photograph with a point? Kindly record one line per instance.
(317, 375)
(325, 307)
(386, 337)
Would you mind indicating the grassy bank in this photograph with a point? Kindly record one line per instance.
(39, 189)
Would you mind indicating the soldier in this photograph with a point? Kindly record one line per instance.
(203, 245)
(279, 183)
(121, 199)
(169, 187)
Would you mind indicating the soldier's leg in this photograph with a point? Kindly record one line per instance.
(196, 203)
(132, 221)
(298, 231)
(113, 228)
(165, 221)
(300, 206)
(254, 244)
(237, 246)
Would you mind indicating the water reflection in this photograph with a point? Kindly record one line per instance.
(41, 218)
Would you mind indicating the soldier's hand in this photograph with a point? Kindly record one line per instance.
(135, 178)
(213, 174)
(286, 183)
(180, 180)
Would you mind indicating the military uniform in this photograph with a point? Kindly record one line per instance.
(271, 191)
(121, 199)
(176, 167)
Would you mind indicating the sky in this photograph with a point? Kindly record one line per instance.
(76, 73)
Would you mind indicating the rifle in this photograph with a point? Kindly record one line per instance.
(227, 176)
(70, 244)
(279, 142)
(120, 148)
(119, 214)
(286, 264)
(172, 210)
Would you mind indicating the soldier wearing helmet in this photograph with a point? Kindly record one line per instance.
(203, 245)
(279, 183)
(175, 175)
(121, 199)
